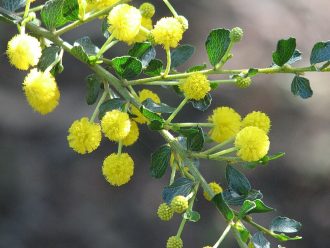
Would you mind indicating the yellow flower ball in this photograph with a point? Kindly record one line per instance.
(196, 86)
(174, 242)
(257, 119)
(216, 188)
(86, 6)
(125, 22)
(23, 51)
(146, 23)
(116, 125)
(165, 212)
(252, 143)
(179, 204)
(168, 32)
(132, 136)
(147, 10)
(41, 91)
(118, 168)
(227, 123)
(84, 136)
(144, 95)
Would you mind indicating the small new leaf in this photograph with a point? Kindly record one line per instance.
(181, 54)
(192, 216)
(246, 208)
(284, 51)
(93, 85)
(159, 161)
(222, 206)
(301, 86)
(217, 44)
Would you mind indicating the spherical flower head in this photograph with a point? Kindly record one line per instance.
(147, 10)
(236, 34)
(216, 188)
(116, 125)
(23, 51)
(84, 136)
(242, 82)
(41, 91)
(196, 86)
(132, 136)
(118, 168)
(144, 95)
(142, 36)
(252, 144)
(257, 119)
(165, 212)
(179, 204)
(125, 22)
(168, 32)
(227, 123)
(174, 242)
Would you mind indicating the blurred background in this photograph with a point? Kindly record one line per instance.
(51, 197)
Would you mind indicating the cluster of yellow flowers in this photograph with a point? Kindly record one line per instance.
(85, 136)
(40, 87)
(129, 24)
(251, 140)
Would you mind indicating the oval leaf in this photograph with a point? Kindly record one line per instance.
(301, 86)
(259, 241)
(154, 68)
(181, 186)
(222, 206)
(217, 44)
(115, 103)
(203, 104)
(127, 67)
(159, 161)
(93, 85)
(284, 225)
(157, 107)
(181, 54)
(237, 181)
(284, 51)
(320, 52)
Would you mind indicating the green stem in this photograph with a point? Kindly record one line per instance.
(191, 124)
(183, 222)
(218, 146)
(168, 64)
(171, 8)
(226, 57)
(223, 235)
(144, 30)
(173, 172)
(120, 147)
(176, 111)
(96, 110)
(259, 227)
(34, 9)
(107, 45)
(238, 238)
(25, 15)
(223, 152)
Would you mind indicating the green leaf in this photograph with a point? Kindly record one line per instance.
(12, 5)
(246, 208)
(285, 225)
(320, 52)
(84, 48)
(243, 232)
(157, 107)
(93, 85)
(235, 199)
(160, 160)
(197, 68)
(252, 72)
(52, 14)
(260, 207)
(181, 186)
(195, 138)
(104, 28)
(7, 17)
(284, 51)
(154, 68)
(70, 10)
(115, 103)
(297, 56)
(156, 125)
(127, 67)
(144, 51)
(191, 215)
(259, 241)
(150, 115)
(217, 44)
(222, 206)
(237, 181)
(181, 54)
(301, 86)
(203, 104)
(49, 55)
